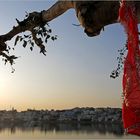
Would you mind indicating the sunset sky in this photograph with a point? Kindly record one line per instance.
(75, 72)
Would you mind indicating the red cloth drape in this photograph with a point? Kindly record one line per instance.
(131, 76)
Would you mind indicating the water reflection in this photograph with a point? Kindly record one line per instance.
(103, 129)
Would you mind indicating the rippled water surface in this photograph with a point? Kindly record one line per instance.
(64, 131)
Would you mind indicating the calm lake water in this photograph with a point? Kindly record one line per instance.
(64, 131)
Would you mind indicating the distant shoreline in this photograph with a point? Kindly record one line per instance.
(75, 115)
(52, 109)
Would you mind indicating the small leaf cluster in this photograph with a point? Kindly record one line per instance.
(39, 36)
(42, 35)
(7, 58)
(25, 39)
(10, 59)
(121, 58)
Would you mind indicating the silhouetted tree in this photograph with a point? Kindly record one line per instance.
(92, 15)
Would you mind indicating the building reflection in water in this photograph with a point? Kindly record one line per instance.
(102, 129)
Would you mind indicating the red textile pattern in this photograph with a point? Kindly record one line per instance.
(131, 76)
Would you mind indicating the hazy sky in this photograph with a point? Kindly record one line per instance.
(75, 72)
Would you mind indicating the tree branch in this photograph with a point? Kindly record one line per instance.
(92, 15)
(37, 18)
(34, 20)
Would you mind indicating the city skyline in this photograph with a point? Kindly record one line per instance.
(75, 72)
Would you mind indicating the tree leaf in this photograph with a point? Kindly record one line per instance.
(32, 43)
(46, 40)
(5, 61)
(24, 43)
(53, 38)
(49, 31)
(16, 40)
(26, 36)
(48, 36)
(9, 48)
(31, 48)
(21, 39)
(45, 34)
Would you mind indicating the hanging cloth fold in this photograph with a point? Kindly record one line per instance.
(131, 76)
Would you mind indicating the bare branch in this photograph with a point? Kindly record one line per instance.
(57, 9)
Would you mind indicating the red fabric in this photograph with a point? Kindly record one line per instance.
(131, 76)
